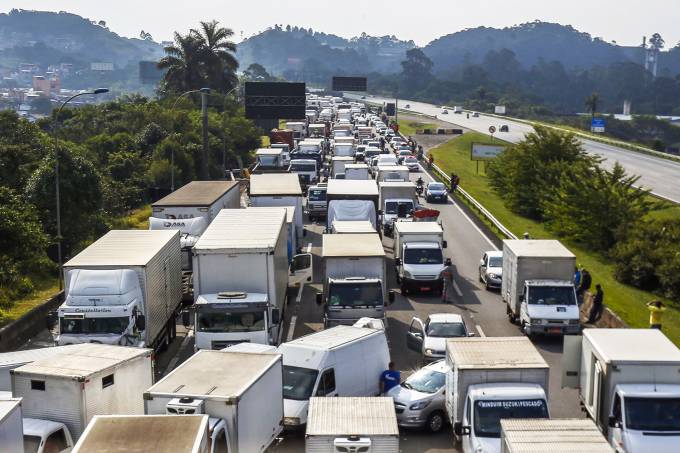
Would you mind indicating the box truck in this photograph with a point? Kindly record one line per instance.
(269, 160)
(145, 433)
(489, 379)
(307, 171)
(242, 276)
(125, 289)
(551, 435)
(278, 190)
(90, 379)
(363, 197)
(338, 164)
(352, 227)
(351, 424)
(241, 392)
(419, 256)
(15, 359)
(340, 361)
(356, 171)
(354, 279)
(392, 173)
(397, 201)
(11, 426)
(629, 384)
(198, 199)
(317, 206)
(538, 287)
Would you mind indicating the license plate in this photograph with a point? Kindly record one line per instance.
(554, 330)
(425, 288)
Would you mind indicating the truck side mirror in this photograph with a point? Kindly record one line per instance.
(612, 422)
(51, 320)
(397, 261)
(276, 316)
(445, 244)
(319, 298)
(458, 428)
(521, 297)
(390, 296)
(140, 322)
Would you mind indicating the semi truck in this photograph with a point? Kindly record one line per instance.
(123, 289)
(538, 288)
(419, 256)
(397, 201)
(280, 190)
(354, 279)
(490, 379)
(241, 278)
(628, 381)
(242, 393)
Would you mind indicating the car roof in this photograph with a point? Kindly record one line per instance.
(445, 317)
(435, 182)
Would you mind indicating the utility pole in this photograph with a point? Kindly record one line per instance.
(396, 106)
(204, 152)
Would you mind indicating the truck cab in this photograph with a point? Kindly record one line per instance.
(352, 298)
(45, 436)
(485, 406)
(306, 170)
(317, 205)
(549, 307)
(393, 210)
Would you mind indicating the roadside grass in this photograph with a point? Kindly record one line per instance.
(265, 141)
(626, 301)
(409, 127)
(136, 220)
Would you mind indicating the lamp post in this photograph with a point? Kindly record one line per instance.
(224, 134)
(204, 151)
(56, 176)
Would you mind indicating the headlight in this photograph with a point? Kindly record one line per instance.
(428, 352)
(419, 406)
(492, 275)
(407, 274)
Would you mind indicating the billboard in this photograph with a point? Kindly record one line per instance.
(273, 100)
(597, 125)
(481, 151)
(101, 66)
(390, 109)
(349, 83)
(499, 110)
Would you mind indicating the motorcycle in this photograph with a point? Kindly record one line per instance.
(419, 188)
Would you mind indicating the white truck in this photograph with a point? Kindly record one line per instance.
(397, 201)
(338, 164)
(11, 426)
(340, 361)
(352, 200)
(72, 387)
(280, 190)
(392, 173)
(419, 256)
(371, 427)
(15, 359)
(538, 286)
(269, 160)
(522, 435)
(490, 379)
(352, 227)
(356, 171)
(146, 433)
(354, 279)
(629, 384)
(241, 392)
(241, 278)
(299, 129)
(306, 170)
(124, 289)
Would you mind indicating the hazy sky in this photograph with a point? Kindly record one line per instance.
(624, 21)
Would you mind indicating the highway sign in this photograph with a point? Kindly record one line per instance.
(482, 151)
(390, 109)
(274, 100)
(349, 83)
(499, 110)
(492, 129)
(597, 125)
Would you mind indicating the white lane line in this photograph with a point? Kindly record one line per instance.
(480, 331)
(309, 248)
(298, 298)
(291, 328)
(457, 289)
(183, 346)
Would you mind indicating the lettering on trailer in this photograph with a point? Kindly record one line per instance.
(174, 224)
(349, 83)
(89, 310)
(510, 404)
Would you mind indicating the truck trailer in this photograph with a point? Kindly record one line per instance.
(552, 435)
(361, 192)
(280, 190)
(11, 426)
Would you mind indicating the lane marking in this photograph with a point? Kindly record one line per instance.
(298, 298)
(480, 331)
(457, 289)
(175, 359)
(309, 248)
(291, 328)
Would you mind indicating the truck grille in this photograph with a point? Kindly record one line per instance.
(557, 321)
(221, 344)
(425, 277)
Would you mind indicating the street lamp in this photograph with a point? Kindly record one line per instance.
(204, 152)
(56, 175)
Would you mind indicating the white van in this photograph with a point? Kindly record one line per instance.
(340, 361)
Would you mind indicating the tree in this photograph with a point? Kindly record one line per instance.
(591, 104)
(217, 54)
(656, 41)
(257, 73)
(416, 70)
(182, 63)
(145, 36)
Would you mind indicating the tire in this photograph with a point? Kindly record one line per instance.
(404, 288)
(435, 422)
(486, 286)
(512, 318)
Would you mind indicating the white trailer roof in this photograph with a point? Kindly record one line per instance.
(330, 338)
(337, 245)
(30, 355)
(290, 211)
(352, 187)
(357, 166)
(348, 416)
(392, 168)
(143, 433)
(268, 152)
(250, 228)
(342, 159)
(633, 345)
(275, 184)
(124, 248)
(407, 184)
(196, 193)
(7, 406)
(538, 248)
(418, 227)
(553, 435)
(353, 226)
(494, 352)
(221, 374)
(82, 361)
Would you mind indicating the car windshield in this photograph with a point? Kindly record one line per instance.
(411, 160)
(423, 256)
(214, 321)
(317, 195)
(445, 329)
(302, 167)
(31, 443)
(425, 380)
(392, 207)
(488, 414)
(355, 294)
(436, 186)
(298, 383)
(652, 414)
(115, 325)
(552, 295)
(495, 261)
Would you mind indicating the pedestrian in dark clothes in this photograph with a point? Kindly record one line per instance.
(598, 305)
(586, 281)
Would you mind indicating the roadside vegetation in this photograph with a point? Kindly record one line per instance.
(410, 127)
(548, 187)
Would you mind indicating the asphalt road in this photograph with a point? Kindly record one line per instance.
(660, 175)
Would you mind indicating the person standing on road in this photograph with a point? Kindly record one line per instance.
(598, 305)
(389, 378)
(586, 281)
(430, 160)
(656, 309)
(447, 283)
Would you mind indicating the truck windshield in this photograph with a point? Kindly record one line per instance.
(294, 166)
(652, 414)
(552, 295)
(317, 195)
(210, 321)
(267, 160)
(355, 294)
(423, 256)
(425, 381)
(93, 325)
(393, 207)
(495, 261)
(298, 383)
(488, 414)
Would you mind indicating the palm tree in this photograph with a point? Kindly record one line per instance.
(183, 65)
(217, 55)
(591, 104)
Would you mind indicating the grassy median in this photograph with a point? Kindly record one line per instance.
(410, 127)
(627, 301)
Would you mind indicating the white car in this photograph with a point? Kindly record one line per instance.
(491, 269)
(429, 338)
(411, 163)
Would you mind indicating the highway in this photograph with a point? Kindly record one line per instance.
(660, 175)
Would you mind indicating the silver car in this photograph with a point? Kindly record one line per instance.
(419, 401)
(491, 269)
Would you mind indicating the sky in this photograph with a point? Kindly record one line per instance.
(623, 21)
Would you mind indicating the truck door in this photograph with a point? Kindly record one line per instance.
(467, 441)
(415, 335)
(301, 270)
(615, 421)
(571, 361)
(327, 385)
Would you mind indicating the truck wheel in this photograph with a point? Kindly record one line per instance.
(511, 317)
(435, 422)
(404, 288)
